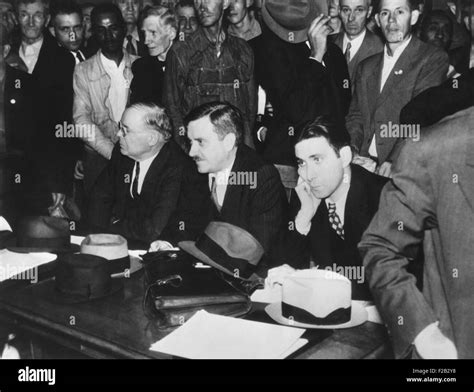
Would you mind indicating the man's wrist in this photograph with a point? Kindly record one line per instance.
(302, 223)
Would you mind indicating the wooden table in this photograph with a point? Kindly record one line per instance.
(116, 326)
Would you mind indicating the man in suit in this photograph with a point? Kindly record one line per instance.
(235, 186)
(355, 40)
(138, 192)
(101, 91)
(385, 82)
(438, 102)
(17, 128)
(132, 42)
(303, 74)
(337, 200)
(51, 70)
(429, 204)
(159, 27)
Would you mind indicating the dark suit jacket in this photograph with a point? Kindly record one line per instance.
(299, 89)
(148, 79)
(420, 66)
(144, 218)
(431, 194)
(436, 103)
(372, 44)
(53, 74)
(259, 208)
(323, 246)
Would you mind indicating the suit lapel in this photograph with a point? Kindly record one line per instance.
(155, 170)
(356, 209)
(400, 69)
(233, 192)
(320, 235)
(373, 83)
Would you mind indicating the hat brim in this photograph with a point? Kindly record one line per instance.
(190, 247)
(358, 317)
(73, 248)
(63, 298)
(297, 36)
(135, 265)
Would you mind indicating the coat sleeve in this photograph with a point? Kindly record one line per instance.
(82, 110)
(392, 241)
(354, 120)
(436, 103)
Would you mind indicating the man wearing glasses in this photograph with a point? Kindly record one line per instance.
(138, 191)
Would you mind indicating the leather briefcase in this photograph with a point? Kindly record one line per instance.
(176, 289)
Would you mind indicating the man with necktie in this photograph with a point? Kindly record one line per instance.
(132, 43)
(159, 27)
(236, 186)
(337, 200)
(138, 191)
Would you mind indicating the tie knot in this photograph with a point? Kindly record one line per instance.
(331, 208)
(349, 45)
(129, 37)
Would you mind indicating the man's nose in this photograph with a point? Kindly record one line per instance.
(391, 17)
(31, 21)
(351, 17)
(130, 5)
(192, 150)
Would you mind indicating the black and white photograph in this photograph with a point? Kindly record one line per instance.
(236, 180)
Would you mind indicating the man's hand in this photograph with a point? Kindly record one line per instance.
(317, 36)
(432, 344)
(309, 202)
(79, 170)
(278, 274)
(160, 245)
(385, 169)
(335, 22)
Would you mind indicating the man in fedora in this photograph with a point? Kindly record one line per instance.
(137, 193)
(356, 41)
(387, 81)
(337, 200)
(306, 76)
(429, 203)
(210, 65)
(235, 186)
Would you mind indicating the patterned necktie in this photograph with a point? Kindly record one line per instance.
(335, 220)
(130, 48)
(347, 54)
(135, 181)
(214, 194)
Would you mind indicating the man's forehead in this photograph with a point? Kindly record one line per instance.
(312, 146)
(201, 128)
(37, 6)
(153, 22)
(392, 4)
(63, 19)
(106, 19)
(354, 3)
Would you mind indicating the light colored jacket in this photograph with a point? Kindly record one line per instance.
(92, 110)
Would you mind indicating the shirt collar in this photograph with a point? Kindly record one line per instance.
(398, 52)
(111, 64)
(222, 176)
(356, 42)
(36, 47)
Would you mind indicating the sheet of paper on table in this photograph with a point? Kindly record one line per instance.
(210, 336)
(12, 264)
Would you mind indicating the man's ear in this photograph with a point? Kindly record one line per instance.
(369, 12)
(249, 3)
(154, 138)
(415, 14)
(377, 20)
(172, 32)
(48, 19)
(226, 4)
(52, 31)
(229, 141)
(6, 50)
(346, 155)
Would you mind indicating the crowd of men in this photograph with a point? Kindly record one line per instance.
(150, 119)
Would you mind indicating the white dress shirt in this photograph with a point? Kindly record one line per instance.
(75, 55)
(30, 53)
(144, 167)
(356, 43)
(118, 92)
(387, 67)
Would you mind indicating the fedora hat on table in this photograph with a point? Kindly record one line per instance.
(317, 299)
(113, 248)
(41, 234)
(290, 19)
(228, 248)
(82, 278)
